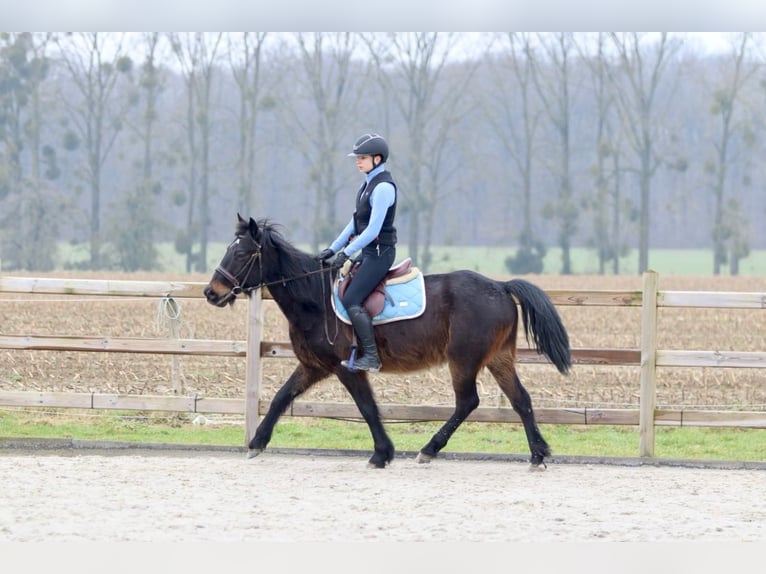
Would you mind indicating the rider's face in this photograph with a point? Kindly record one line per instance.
(364, 163)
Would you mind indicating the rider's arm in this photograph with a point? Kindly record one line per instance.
(344, 236)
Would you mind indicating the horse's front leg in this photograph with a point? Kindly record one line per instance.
(358, 385)
(301, 379)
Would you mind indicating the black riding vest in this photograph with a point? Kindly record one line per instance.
(387, 235)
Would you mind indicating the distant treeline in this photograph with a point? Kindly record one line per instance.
(614, 142)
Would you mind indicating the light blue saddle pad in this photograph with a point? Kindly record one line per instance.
(404, 300)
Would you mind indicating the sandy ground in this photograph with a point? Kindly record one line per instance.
(191, 496)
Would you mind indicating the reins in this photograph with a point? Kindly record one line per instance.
(324, 310)
(247, 269)
(301, 276)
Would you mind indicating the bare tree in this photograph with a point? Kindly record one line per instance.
(28, 204)
(514, 115)
(412, 67)
(95, 62)
(553, 80)
(733, 135)
(642, 62)
(246, 59)
(333, 83)
(135, 222)
(606, 202)
(197, 54)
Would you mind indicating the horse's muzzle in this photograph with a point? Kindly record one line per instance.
(214, 298)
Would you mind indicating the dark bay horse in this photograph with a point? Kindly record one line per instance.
(470, 322)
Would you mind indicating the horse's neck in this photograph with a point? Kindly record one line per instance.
(295, 309)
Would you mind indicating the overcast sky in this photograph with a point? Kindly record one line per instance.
(391, 15)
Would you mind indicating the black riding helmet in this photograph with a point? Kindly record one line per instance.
(371, 144)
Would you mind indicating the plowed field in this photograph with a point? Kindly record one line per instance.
(618, 387)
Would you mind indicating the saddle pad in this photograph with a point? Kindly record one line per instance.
(404, 300)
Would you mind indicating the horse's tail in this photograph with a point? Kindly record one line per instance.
(542, 320)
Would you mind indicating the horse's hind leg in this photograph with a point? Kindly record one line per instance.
(297, 383)
(358, 385)
(503, 369)
(466, 401)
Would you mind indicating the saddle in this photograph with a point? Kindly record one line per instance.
(375, 301)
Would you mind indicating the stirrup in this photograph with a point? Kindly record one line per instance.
(356, 368)
(353, 365)
(349, 364)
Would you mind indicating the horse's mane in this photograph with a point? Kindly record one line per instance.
(285, 261)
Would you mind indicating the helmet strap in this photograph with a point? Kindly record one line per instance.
(374, 165)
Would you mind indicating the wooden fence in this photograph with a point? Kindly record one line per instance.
(254, 349)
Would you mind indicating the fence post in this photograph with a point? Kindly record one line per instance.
(648, 393)
(253, 370)
(169, 315)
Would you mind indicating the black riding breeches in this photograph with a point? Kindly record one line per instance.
(369, 274)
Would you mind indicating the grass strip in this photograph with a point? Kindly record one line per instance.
(577, 440)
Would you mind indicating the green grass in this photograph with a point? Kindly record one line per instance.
(575, 440)
(491, 261)
(488, 259)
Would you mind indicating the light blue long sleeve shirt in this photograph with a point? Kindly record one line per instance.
(382, 197)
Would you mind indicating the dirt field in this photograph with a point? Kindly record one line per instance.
(587, 386)
(173, 497)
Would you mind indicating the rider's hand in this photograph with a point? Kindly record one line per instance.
(325, 255)
(340, 260)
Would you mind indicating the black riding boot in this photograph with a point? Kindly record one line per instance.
(362, 323)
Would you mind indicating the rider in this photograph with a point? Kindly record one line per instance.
(371, 229)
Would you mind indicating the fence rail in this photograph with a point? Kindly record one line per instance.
(254, 349)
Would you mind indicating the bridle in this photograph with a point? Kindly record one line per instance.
(236, 280)
(236, 286)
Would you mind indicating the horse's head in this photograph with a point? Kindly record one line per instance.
(239, 270)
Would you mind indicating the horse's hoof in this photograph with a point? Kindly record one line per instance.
(253, 452)
(537, 467)
(423, 458)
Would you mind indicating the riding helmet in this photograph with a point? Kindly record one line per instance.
(371, 144)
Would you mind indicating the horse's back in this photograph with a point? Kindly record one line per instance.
(462, 308)
(467, 291)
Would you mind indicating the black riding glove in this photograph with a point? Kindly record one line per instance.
(340, 260)
(325, 255)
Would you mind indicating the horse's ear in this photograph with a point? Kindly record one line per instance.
(240, 219)
(253, 227)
